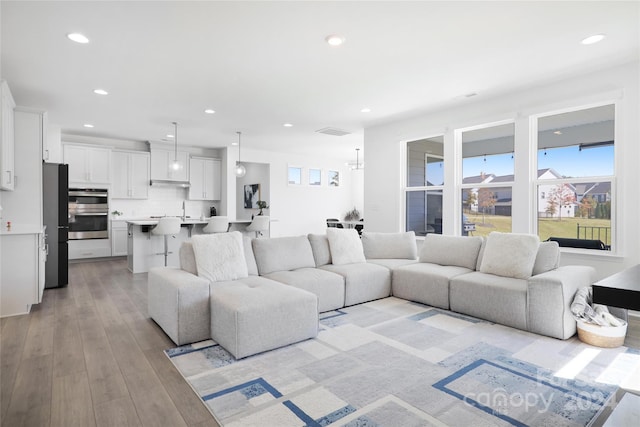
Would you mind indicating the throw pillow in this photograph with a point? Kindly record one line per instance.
(187, 258)
(451, 250)
(389, 245)
(547, 258)
(252, 267)
(510, 254)
(345, 245)
(320, 248)
(220, 257)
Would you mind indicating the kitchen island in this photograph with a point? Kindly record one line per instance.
(146, 250)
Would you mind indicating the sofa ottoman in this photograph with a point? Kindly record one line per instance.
(254, 314)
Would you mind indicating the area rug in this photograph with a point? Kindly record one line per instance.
(393, 362)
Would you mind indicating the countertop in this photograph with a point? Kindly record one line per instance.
(21, 229)
(187, 221)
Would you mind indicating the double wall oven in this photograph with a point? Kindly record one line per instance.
(88, 213)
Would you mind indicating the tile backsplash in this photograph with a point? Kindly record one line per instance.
(163, 200)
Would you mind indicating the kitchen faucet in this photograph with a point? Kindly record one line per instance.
(184, 212)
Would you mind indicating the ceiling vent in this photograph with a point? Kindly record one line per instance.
(333, 131)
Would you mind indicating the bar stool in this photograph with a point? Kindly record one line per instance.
(167, 226)
(217, 224)
(259, 224)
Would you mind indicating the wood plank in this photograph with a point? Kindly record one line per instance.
(31, 397)
(117, 413)
(12, 338)
(188, 403)
(71, 403)
(155, 408)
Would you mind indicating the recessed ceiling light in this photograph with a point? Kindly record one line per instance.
(209, 111)
(334, 40)
(78, 38)
(365, 110)
(100, 92)
(287, 125)
(88, 125)
(169, 135)
(593, 39)
(234, 143)
(558, 132)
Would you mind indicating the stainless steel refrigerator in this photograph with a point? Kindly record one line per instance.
(55, 188)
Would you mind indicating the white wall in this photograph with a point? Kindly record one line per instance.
(302, 209)
(257, 173)
(383, 145)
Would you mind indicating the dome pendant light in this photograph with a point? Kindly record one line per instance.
(175, 165)
(240, 169)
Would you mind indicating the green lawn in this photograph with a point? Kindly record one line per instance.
(547, 227)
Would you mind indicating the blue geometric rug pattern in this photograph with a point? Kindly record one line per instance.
(393, 362)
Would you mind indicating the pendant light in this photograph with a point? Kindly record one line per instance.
(175, 165)
(240, 169)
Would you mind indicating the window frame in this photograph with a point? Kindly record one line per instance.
(615, 249)
(404, 170)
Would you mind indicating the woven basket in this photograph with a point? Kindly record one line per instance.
(602, 336)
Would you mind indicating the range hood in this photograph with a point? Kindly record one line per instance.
(183, 184)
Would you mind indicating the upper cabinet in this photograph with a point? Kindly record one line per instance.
(87, 164)
(130, 175)
(162, 162)
(204, 177)
(6, 138)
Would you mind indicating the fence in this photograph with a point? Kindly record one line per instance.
(594, 233)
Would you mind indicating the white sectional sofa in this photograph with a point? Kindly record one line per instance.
(272, 295)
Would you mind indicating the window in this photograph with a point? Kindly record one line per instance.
(315, 177)
(487, 175)
(295, 175)
(424, 186)
(575, 155)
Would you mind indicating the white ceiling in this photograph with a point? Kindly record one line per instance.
(263, 64)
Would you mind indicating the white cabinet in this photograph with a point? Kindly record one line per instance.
(6, 138)
(204, 177)
(87, 164)
(161, 162)
(22, 271)
(23, 205)
(118, 238)
(91, 248)
(130, 175)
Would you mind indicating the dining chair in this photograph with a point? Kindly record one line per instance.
(167, 226)
(259, 224)
(334, 224)
(217, 224)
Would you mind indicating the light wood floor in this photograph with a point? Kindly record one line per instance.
(90, 356)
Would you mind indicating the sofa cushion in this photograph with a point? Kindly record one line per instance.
(252, 267)
(327, 286)
(220, 257)
(425, 282)
(547, 258)
(282, 254)
(497, 299)
(363, 281)
(481, 253)
(451, 250)
(320, 249)
(392, 263)
(346, 246)
(510, 254)
(389, 245)
(187, 258)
